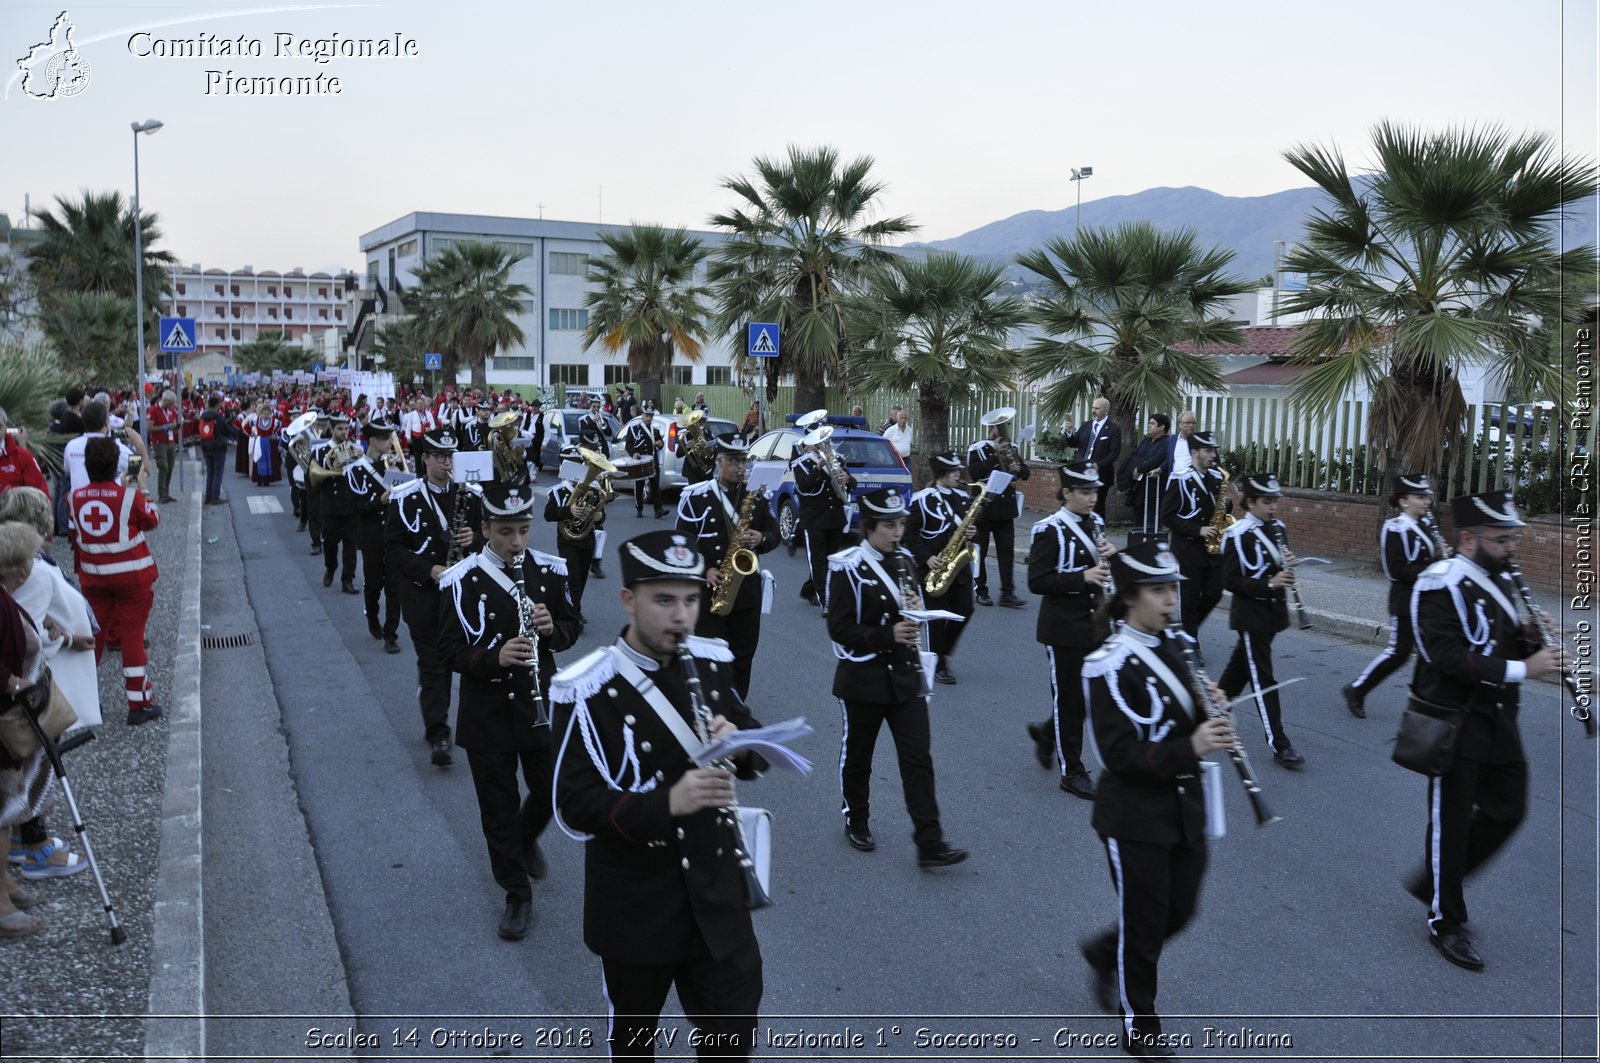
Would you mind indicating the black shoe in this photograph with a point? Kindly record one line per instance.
(391, 646)
(860, 838)
(1457, 948)
(596, 571)
(984, 599)
(1104, 979)
(942, 674)
(1011, 601)
(944, 856)
(1044, 745)
(441, 753)
(302, 527)
(348, 586)
(660, 513)
(327, 579)
(144, 715)
(639, 513)
(514, 923)
(1289, 758)
(537, 868)
(374, 628)
(168, 498)
(1354, 701)
(316, 548)
(1079, 785)
(1142, 1049)
(810, 598)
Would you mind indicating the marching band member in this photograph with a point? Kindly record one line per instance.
(644, 440)
(1149, 812)
(664, 900)
(579, 554)
(1406, 548)
(1474, 655)
(533, 430)
(1257, 574)
(999, 519)
(1067, 568)
(709, 513)
(311, 504)
(502, 637)
(879, 677)
(1188, 508)
(474, 434)
(594, 432)
(337, 507)
(936, 512)
(370, 497)
(822, 517)
(417, 531)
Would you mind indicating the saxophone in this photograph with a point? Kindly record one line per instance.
(944, 566)
(1221, 520)
(739, 562)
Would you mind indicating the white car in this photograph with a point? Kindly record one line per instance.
(672, 478)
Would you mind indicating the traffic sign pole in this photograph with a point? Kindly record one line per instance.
(762, 340)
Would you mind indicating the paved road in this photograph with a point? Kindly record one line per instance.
(1303, 933)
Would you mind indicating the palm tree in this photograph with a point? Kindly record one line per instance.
(1112, 304)
(799, 236)
(401, 349)
(89, 332)
(1446, 256)
(647, 302)
(269, 351)
(465, 301)
(938, 325)
(89, 248)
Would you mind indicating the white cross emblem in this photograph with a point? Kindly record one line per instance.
(96, 517)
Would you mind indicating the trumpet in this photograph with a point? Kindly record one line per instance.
(1006, 457)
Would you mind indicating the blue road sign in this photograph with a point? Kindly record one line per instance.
(317, 367)
(177, 335)
(433, 360)
(763, 340)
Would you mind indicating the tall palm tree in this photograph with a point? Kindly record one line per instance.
(1113, 303)
(89, 332)
(269, 351)
(647, 303)
(89, 248)
(1446, 256)
(939, 325)
(465, 301)
(799, 235)
(400, 346)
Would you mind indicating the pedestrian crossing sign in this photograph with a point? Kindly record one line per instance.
(177, 335)
(763, 340)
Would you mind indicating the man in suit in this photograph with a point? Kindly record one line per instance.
(1099, 442)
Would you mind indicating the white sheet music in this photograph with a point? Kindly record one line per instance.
(769, 741)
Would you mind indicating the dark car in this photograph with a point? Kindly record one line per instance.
(870, 458)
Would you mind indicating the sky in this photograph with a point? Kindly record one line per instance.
(620, 112)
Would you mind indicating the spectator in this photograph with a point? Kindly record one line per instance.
(18, 467)
(700, 403)
(116, 568)
(678, 406)
(70, 423)
(1177, 461)
(165, 423)
(894, 414)
(94, 424)
(1139, 477)
(752, 422)
(899, 433)
(215, 433)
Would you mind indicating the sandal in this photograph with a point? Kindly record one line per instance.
(18, 850)
(20, 925)
(47, 861)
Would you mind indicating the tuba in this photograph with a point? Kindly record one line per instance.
(335, 460)
(589, 496)
(838, 475)
(1006, 457)
(695, 441)
(509, 466)
(298, 433)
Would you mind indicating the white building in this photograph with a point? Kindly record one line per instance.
(555, 269)
(233, 307)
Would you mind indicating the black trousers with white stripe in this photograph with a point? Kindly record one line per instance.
(820, 542)
(1067, 708)
(720, 997)
(1158, 889)
(1251, 665)
(908, 723)
(1473, 809)
(1394, 655)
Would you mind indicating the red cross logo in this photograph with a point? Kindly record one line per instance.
(96, 517)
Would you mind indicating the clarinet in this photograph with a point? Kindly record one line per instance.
(525, 629)
(1276, 528)
(908, 587)
(1200, 688)
(755, 897)
(1430, 524)
(1580, 707)
(1110, 585)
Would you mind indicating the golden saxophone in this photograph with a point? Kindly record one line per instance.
(1221, 520)
(945, 566)
(739, 562)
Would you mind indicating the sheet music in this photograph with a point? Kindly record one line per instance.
(997, 482)
(769, 741)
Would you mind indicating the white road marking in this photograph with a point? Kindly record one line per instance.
(265, 504)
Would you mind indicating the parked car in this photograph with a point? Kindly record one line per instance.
(561, 430)
(672, 478)
(869, 457)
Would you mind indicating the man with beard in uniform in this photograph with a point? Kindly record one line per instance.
(936, 513)
(822, 518)
(417, 542)
(364, 481)
(1188, 507)
(709, 514)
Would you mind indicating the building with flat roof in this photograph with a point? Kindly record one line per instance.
(555, 268)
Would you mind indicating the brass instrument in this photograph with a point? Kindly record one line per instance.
(394, 460)
(1221, 520)
(1006, 457)
(298, 433)
(337, 458)
(694, 441)
(739, 562)
(945, 566)
(838, 475)
(754, 896)
(1275, 527)
(541, 711)
(509, 466)
(589, 496)
(1200, 690)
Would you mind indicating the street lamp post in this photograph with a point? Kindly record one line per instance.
(1080, 173)
(149, 125)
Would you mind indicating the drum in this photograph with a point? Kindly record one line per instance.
(635, 468)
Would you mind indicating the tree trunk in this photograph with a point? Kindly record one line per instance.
(810, 393)
(931, 436)
(480, 373)
(650, 387)
(1126, 418)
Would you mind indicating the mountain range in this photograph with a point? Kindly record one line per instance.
(1249, 225)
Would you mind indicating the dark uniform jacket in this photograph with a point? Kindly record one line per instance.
(1405, 550)
(1062, 550)
(333, 494)
(643, 442)
(654, 884)
(983, 458)
(1188, 506)
(936, 512)
(364, 484)
(863, 607)
(1143, 714)
(1468, 629)
(555, 511)
(498, 709)
(820, 505)
(704, 514)
(416, 534)
(475, 435)
(1249, 561)
(596, 435)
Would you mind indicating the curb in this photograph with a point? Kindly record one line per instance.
(177, 959)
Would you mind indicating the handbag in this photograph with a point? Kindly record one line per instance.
(1426, 741)
(48, 707)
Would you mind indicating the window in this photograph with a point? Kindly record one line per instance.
(568, 320)
(322, 293)
(719, 376)
(235, 333)
(372, 274)
(272, 312)
(288, 292)
(288, 313)
(407, 248)
(681, 376)
(222, 333)
(520, 365)
(570, 375)
(569, 263)
(338, 313)
(323, 314)
(183, 309)
(618, 374)
(218, 288)
(183, 289)
(236, 312)
(272, 290)
(235, 291)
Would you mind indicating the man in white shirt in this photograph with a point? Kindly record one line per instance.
(95, 424)
(899, 433)
(1178, 462)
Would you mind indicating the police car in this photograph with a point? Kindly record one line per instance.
(870, 458)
